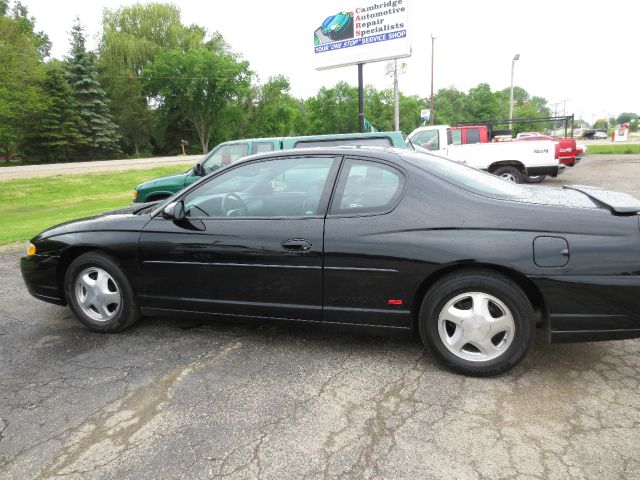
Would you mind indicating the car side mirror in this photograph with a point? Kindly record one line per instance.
(174, 211)
(198, 170)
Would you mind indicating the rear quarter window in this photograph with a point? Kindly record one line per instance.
(367, 187)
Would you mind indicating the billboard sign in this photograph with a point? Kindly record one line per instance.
(367, 32)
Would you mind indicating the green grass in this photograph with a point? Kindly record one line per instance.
(31, 205)
(614, 149)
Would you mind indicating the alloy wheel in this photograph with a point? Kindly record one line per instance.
(476, 326)
(98, 294)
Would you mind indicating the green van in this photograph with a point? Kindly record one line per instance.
(229, 152)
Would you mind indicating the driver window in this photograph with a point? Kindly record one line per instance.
(273, 188)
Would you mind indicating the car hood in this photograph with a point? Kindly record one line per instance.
(126, 218)
(165, 179)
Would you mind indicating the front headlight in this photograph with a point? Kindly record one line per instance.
(31, 249)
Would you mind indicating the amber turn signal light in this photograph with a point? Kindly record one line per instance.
(135, 194)
(31, 249)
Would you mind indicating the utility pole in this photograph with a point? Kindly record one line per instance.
(394, 70)
(513, 66)
(396, 100)
(432, 114)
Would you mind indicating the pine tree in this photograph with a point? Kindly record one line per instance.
(55, 134)
(98, 129)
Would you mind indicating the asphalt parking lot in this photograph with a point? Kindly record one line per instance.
(181, 399)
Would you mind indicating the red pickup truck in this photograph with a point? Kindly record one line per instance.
(566, 150)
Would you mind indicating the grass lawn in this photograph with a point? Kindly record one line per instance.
(614, 149)
(31, 205)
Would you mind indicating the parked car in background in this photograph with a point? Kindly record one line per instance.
(568, 151)
(512, 161)
(229, 152)
(567, 148)
(387, 240)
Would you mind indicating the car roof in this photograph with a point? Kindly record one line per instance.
(330, 136)
(384, 153)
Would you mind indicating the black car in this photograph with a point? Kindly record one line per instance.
(383, 239)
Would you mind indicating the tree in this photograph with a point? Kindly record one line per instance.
(626, 117)
(198, 84)
(482, 104)
(99, 132)
(21, 73)
(55, 131)
(450, 106)
(274, 112)
(132, 38)
(131, 112)
(26, 24)
(410, 107)
(333, 110)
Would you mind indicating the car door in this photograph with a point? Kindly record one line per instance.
(251, 244)
(364, 282)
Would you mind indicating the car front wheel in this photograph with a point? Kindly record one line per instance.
(99, 293)
(477, 322)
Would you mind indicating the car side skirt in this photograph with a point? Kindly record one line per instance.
(593, 335)
(386, 330)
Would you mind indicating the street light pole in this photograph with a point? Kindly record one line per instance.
(513, 65)
(431, 115)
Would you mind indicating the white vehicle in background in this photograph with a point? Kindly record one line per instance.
(512, 161)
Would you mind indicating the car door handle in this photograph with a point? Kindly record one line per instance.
(299, 245)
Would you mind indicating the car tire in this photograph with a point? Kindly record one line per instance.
(99, 293)
(535, 179)
(509, 173)
(501, 329)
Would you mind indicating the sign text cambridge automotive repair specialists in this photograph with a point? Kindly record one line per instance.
(368, 32)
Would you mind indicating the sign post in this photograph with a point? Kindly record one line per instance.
(360, 98)
(367, 31)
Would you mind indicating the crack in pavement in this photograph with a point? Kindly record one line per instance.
(114, 426)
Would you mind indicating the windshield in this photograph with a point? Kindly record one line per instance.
(224, 155)
(463, 176)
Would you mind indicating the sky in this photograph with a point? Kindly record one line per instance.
(581, 56)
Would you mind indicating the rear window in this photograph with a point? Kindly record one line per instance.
(473, 135)
(370, 141)
(465, 177)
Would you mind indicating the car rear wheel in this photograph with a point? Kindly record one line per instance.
(510, 174)
(477, 322)
(99, 293)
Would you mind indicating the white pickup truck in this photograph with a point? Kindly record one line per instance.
(511, 160)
